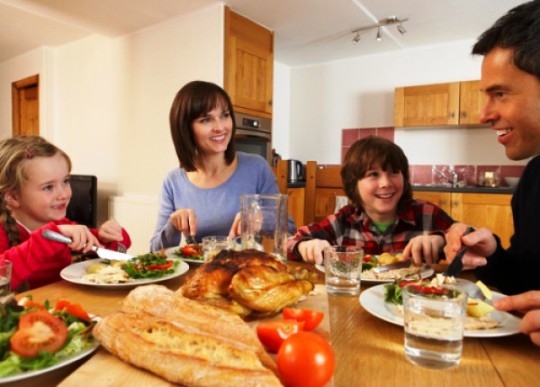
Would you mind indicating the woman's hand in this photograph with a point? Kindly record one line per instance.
(528, 303)
(311, 251)
(423, 248)
(82, 238)
(236, 228)
(480, 244)
(110, 231)
(185, 221)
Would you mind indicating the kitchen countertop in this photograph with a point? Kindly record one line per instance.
(466, 189)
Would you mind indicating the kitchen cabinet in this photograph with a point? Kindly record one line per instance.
(443, 104)
(248, 64)
(492, 211)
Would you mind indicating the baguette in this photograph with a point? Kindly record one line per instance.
(185, 342)
(180, 357)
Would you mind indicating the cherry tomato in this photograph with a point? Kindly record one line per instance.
(38, 331)
(367, 258)
(305, 359)
(72, 308)
(192, 250)
(165, 266)
(29, 303)
(273, 333)
(311, 318)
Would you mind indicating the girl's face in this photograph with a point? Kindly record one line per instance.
(213, 131)
(45, 195)
(380, 192)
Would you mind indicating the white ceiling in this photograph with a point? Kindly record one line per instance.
(306, 31)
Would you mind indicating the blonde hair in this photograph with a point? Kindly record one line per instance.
(15, 153)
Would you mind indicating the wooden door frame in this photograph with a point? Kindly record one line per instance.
(16, 88)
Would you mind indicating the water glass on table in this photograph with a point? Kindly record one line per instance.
(5, 277)
(212, 246)
(434, 325)
(343, 268)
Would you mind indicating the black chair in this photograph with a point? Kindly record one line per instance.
(82, 207)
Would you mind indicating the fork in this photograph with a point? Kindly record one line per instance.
(190, 240)
(473, 291)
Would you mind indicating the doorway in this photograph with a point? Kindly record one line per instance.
(25, 106)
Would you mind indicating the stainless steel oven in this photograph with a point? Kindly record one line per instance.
(253, 135)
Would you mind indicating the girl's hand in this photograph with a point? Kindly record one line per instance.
(110, 231)
(311, 251)
(423, 248)
(185, 221)
(82, 239)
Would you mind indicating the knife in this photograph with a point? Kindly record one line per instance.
(101, 252)
(392, 266)
(456, 265)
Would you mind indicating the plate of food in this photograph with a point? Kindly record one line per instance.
(72, 339)
(370, 262)
(187, 253)
(495, 324)
(141, 270)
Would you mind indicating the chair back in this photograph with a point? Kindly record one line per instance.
(82, 207)
(323, 185)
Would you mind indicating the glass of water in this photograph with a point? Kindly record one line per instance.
(343, 267)
(5, 277)
(434, 324)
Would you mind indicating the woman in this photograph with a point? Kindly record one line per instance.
(202, 197)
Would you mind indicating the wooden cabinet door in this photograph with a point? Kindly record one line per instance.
(249, 64)
(296, 203)
(491, 211)
(441, 199)
(427, 105)
(471, 101)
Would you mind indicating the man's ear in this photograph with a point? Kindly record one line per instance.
(12, 199)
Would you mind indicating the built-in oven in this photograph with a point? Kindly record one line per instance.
(253, 135)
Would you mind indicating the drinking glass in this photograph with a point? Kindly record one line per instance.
(5, 277)
(213, 245)
(434, 324)
(343, 268)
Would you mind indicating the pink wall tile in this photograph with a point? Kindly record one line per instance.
(512, 170)
(349, 136)
(387, 133)
(481, 173)
(363, 133)
(422, 174)
(466, 173)
(344, 150)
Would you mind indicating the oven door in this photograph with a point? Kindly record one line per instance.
(250, 141)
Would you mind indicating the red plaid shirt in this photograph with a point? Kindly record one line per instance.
(352, 227)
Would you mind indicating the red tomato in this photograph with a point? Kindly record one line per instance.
(29, 303)
(165, 266)
(72, 308)
(38, 331)
(311, 318)
(367, 258)
(305, 360)
(273, 333)
(192, 250)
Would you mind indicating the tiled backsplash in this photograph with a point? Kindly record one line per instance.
(423, 174)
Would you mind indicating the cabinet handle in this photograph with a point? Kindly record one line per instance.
(451, 115)
(464, 114)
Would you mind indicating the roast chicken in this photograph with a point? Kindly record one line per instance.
(249, 283)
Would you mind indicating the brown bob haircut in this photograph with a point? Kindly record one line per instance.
(365, 154)
(193, 101)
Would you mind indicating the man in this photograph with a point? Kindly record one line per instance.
(511, 82)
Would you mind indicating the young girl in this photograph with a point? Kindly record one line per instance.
(34, 195)
(383, 216)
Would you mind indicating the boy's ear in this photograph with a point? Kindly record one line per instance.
(12, 199)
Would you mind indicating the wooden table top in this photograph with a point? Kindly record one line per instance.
(369, 351)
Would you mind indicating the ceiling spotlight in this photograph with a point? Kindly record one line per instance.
(401, 29)
(356, 39)
(379, 37)
(389, 21)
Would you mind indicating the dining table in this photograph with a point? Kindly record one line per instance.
(368, 350)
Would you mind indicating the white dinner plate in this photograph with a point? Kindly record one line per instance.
(425, 273)
(170, 254)
(372, 300)
(74, 273)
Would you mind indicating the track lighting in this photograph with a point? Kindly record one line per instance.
(391, 20)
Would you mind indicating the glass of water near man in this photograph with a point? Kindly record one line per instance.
(434, 319)
(5, 277)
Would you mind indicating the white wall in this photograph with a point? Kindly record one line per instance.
(358, 93)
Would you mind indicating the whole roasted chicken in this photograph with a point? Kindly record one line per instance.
(249, 283)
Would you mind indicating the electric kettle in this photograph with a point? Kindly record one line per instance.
(296, 171)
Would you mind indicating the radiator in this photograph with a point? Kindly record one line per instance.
(138, 215)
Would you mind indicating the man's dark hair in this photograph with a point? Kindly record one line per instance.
(519, 30)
